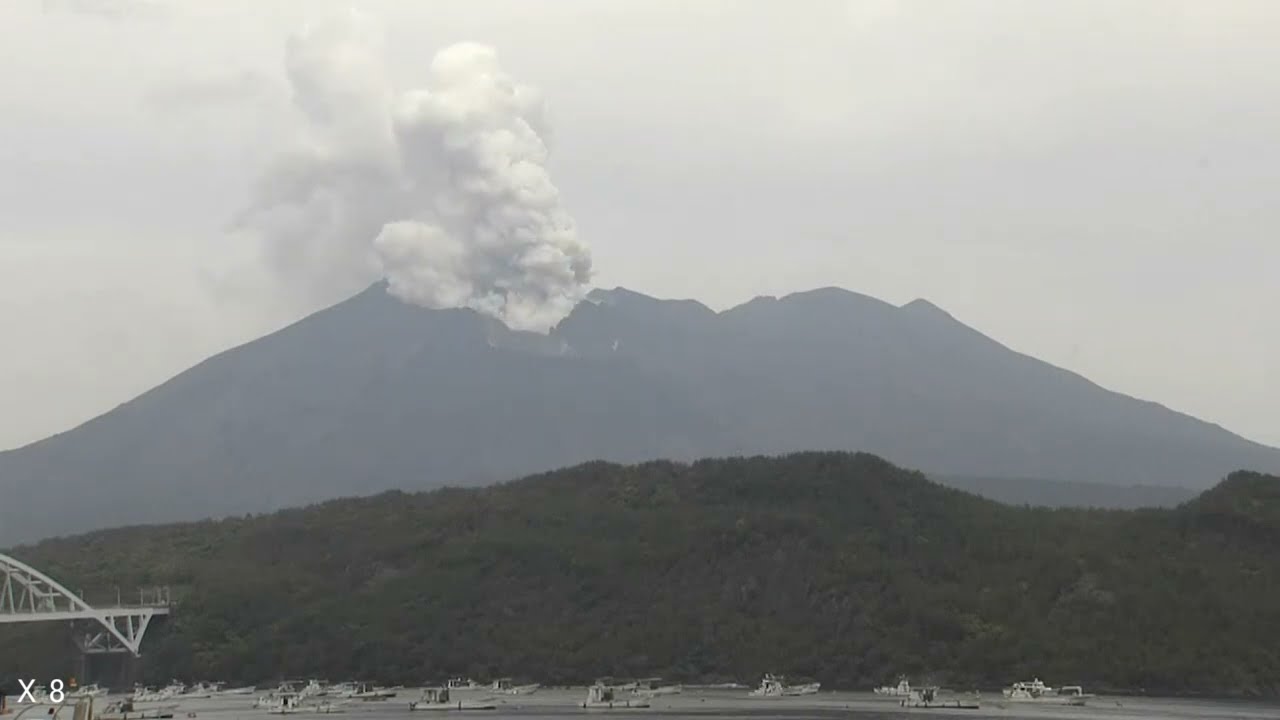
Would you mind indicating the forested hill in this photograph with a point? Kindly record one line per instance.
(838, 567)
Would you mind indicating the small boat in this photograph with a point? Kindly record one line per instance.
(272, 698)
(314, 688)
(1037, 692)
(461, 684)
(928, 698)
(371, 693)
(151, 695)
(654, 687)
(902, 689)
(342, 689)
(437, 698)
(776, 686)
(603, 697)
(284, 704)
(246, 690)
(506, 687)
(199, 691)
(88, 691)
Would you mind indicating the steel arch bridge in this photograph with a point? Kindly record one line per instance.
(28, 595)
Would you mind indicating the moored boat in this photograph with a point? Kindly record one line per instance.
(199, 691)
(371, 693)
(246, 690)
(293, 703)
(604, 697)
(438, 698)
(92, 690)
(283, 704)
(506, 686)
(462, 684)
(902, 689)
(776, 686)
(151, 695)
(928, 697)
(314, 688)
(654, 687)
(1036, 691)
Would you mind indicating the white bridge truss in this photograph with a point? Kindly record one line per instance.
(28, 595)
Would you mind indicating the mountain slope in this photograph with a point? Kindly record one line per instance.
(839, 567)
(372, 394)
(834, 369)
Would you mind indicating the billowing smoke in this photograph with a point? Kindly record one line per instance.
(443, 190)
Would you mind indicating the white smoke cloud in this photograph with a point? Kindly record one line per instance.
(443, 190)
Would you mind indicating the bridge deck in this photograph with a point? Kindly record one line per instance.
(94, 613)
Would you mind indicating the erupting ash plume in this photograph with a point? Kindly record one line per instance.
(442, 190)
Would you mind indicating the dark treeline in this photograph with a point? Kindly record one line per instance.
(838, 567)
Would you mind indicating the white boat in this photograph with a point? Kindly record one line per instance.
(902, 689)
(293, 703)
(776, 686)
(437, 698)
(342, 689)
(274, 699)
(505, 686)
(371, 693)
(88, 691)
(151, 695)
(246, 690)
(461, 684)
(1023, 690)
(314, 688)
(1036, 691)
(283, 704)
(654, 687)
(199, 691)
(928, 698)
(604, 697)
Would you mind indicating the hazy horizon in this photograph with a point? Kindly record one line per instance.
(1088, 183)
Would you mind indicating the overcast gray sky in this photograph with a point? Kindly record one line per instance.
(1092, 183)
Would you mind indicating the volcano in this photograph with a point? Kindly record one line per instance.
(373, 394)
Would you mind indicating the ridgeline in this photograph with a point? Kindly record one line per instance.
(838, 567)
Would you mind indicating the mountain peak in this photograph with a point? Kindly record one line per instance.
(923, 307)
(625, 298)
(618, 295)
(832, 296)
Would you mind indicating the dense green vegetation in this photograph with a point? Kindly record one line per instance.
(838, 567)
